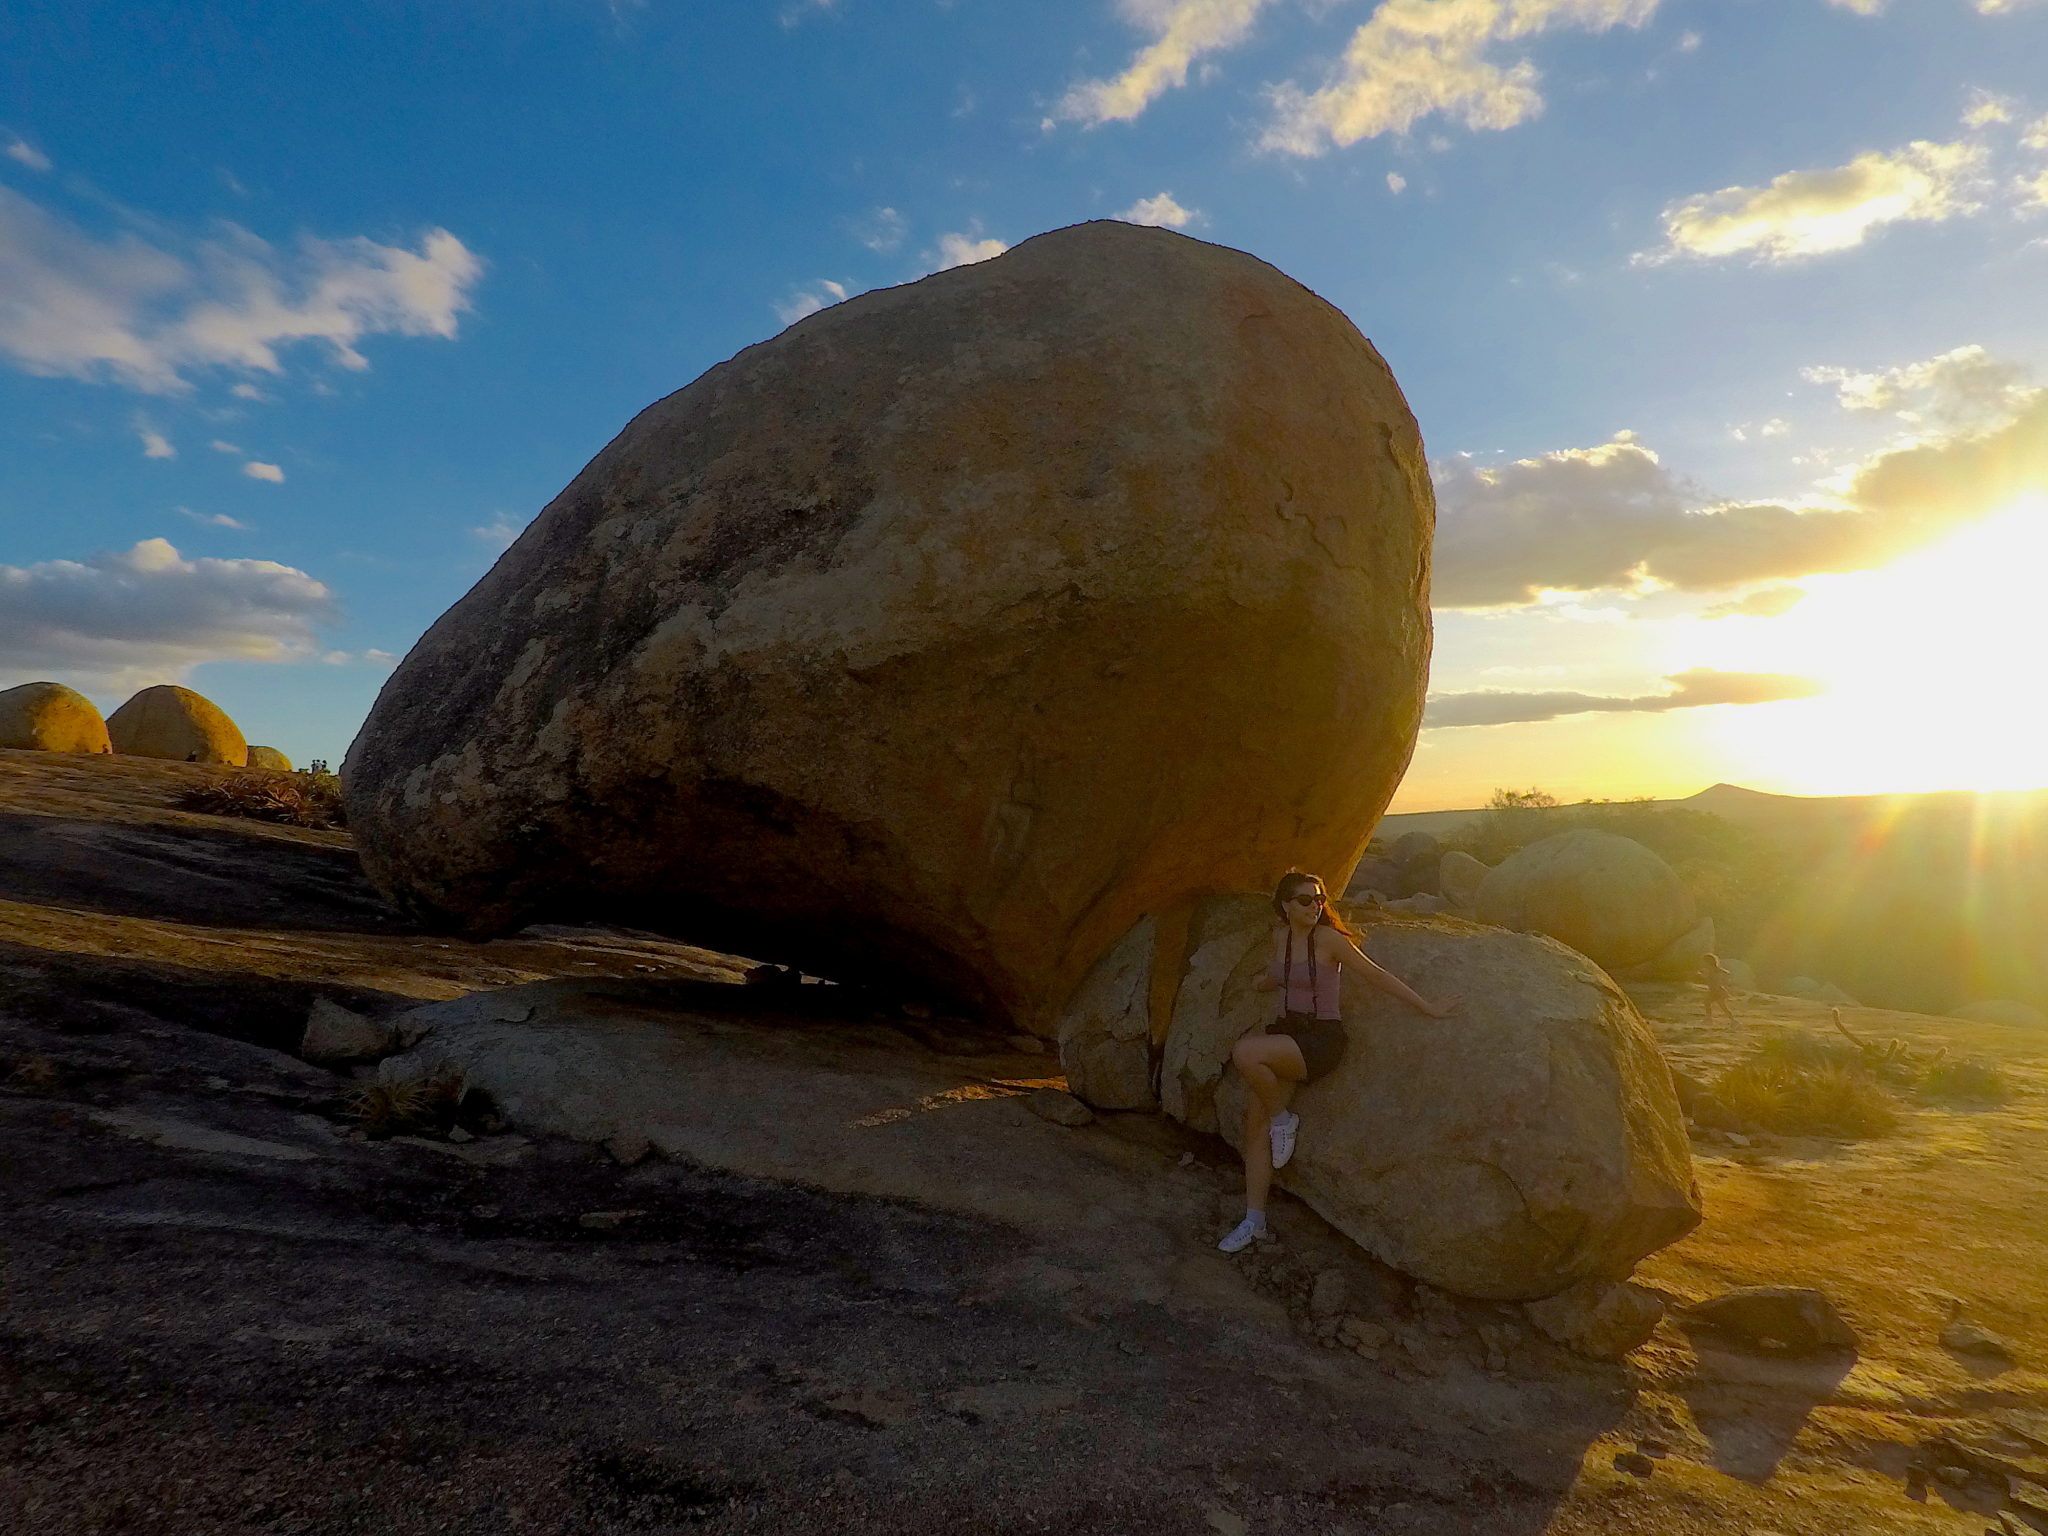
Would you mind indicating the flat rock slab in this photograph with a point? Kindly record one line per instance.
(184, 1136)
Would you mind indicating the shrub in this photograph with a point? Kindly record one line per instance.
(1807, 1097)
(302, 799)
(386, 1107)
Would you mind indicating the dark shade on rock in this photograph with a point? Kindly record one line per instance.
(1795, 1319)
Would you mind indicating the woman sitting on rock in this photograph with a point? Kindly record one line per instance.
(1311, 949)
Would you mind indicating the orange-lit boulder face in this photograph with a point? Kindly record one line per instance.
(48, 717)
(940, 637)
(269, 758)
(176, 723)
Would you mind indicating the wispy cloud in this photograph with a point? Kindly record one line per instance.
(881, 231)
(214, 520)
(1811, 213)
(1414, 59)
(1159, 210)
(257, 470)
(148, 614)
(1696, 689)
(1962, 390)
(155, 445)
(222, 445)
(1182, 31)
(498, 533)
(24, 153)
(808, 301)
(1764, 603)
(136, 312)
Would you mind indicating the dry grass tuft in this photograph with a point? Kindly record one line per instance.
(302, 799)
(34, 1072)
(410, 1105)
(1806, 1098)
(1972, 1078)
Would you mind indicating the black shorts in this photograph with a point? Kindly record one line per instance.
(1322, 1041)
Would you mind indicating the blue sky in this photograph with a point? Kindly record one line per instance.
(304, 309)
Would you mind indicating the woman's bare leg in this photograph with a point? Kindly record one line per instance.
(1272, 1068)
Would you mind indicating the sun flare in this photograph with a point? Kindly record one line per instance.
(1931, 666)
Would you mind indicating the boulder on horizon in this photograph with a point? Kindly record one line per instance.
(48, 717)
(941, 637)
(269, 759)
(1527, 1143)
(175, 723)
(1607, 896)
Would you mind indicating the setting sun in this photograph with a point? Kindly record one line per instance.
(1924, 662)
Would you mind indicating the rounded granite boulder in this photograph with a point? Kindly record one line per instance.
(48, 717)
(172, 722)
(1607, 896)
(940, 637)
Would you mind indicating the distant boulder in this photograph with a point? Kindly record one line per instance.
(1376, 875)
(1807, 989)
(1607, 896)
(1458, 877)
(48, 717)
(1683, 957)
(175, 723)
(2003, 1010)
(1529, 1142)
(270, 758)
(941, 637)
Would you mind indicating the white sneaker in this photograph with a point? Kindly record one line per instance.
(1280, 1131)
(1244, 1234)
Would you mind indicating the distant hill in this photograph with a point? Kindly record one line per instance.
(1919, 901)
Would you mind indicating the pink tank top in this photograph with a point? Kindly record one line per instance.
(1308, 985)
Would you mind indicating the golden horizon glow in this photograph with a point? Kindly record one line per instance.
(1931, 666)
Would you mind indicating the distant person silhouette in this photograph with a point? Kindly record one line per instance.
(1311, 948)
(1717, 978)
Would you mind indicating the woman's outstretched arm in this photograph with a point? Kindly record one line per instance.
(1352, 958)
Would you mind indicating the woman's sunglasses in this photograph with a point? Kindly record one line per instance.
(1309, 899)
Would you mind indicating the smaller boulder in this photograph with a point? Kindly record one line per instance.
(48, 717)
(1608, 897)
(270, 759)
(1375, 876)
(1105, 1030)
(1967, 1338)
(2003, 1010)
(1600, 1319)
(1680, 960)
(1060, 1108)
(1457, 877)
(1792, 1319)
(1330, 1294)
(1809, 990)
(337, 1036)
(1741, 974)
(179, 725)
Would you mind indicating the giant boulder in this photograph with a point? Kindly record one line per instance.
(941, 637)
(1530, 1142)
(48, 717)
(176, 723)
(1607, 896)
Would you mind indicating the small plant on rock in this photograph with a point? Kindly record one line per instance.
(1970, 1078)
(1795, 1098)
(302, 799)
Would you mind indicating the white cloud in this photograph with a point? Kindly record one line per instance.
(2036, 135)
(1764, 603)
(881, 231)
(214, 519)
(256, 470)
(221, 445)
(1614, 518)
(155, 445)
(1860, 7)
(808, 301)
(1183, 31)
(962, 250)
(248, 392)
(1963, 390)
(1416, 58)
(1160, 210)
(1987, 108)
(2003, 7)
(128, 310)
(25, 153)
(1396, 183)
(2033, 189)
(1689, 42)
(1689, 690)
(148, 614)
(1809, 213)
